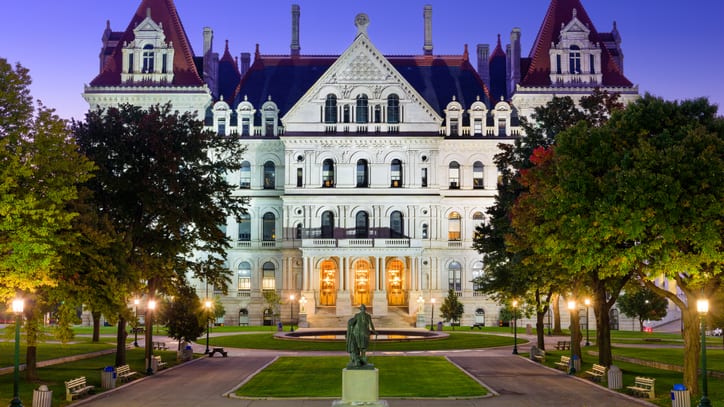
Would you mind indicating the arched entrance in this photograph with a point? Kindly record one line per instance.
(361, 281)
(328, 283)
(395, 282)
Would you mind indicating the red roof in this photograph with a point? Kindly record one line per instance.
(497, 52)
(163, 12)
(560, 13)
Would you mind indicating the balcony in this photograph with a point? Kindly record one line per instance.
(356, 243)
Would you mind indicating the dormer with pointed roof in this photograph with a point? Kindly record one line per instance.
(497, 67)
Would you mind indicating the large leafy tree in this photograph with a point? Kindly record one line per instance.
(161, 182)
(642, 303)
(184, 316)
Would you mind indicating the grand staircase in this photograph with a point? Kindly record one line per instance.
(396, 318)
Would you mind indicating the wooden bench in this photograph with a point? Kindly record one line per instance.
(219, 350)
(479, 326)
(160, 364)
(564, 363)
(563, 345)
(138, 330)
(539, 356)
(597, 372)
(643, 387)
(124, 373)
(77, 387)
(160, 346)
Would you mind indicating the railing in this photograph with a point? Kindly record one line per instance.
(454, 244)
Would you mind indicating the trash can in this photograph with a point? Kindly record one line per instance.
(615, 378)
(42, 396)
(528, 329)
(680, 396)
(188, 353)
(574, 365)
(108, 377)
(439, 325)
(280, 327)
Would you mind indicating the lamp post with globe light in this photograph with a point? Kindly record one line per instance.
(291, 312)
(515, 327)
(136, 301)
(150, 307)
(432, 314)
(207, 306)
(571, 308)
(702, 306)
(588, 303)
(18, 305)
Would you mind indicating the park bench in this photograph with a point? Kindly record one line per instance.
(221, 351)
(563, 345)
(160, 364)
(539, 355)
(138, 330)
(564, 363)
(597, 372)
(124, 373)
(160, 346)
(643, 387)
(76, 387)
(479, 326)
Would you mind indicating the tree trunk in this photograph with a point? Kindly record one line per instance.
(96, 326)
(556, 315)
(121, 342)
(31, 363)
(641, 324)
(576, 333)
(540, 329)
(603, 331)
(692, 346)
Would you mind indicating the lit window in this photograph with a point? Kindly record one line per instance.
(454, 276)
(478, 175)
(244, 276)
(454, 227)
(268, 280)
(396, 173)
(328, 173)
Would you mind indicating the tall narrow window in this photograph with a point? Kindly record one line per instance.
(330, 109)
(130, 63)
(378, 114)
(454, 175)
(327, 225)
(245, 175)
(164, 63)
(558, 64)
(269, 125)
(269, 227)
(501, 128)
(361, 225)
(244, 276)
(345, 114)
(361, 113)
(221, 129)
(574, 59)
(397, 229)
(396, 173)
(478, 175)
(245, 227)
(300, 177)
(592, 63)
(328, 173)
(423, 178)
(454, 271)
(269, 175)
(148, 58)
(298, 231)
(268, 279)
(425, 231)
(454, 226)
(478, 127)
(454, 127)
(245, 126)
(477, 275)
(393, 109)
(363, 180)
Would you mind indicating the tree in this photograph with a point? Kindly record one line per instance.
(40, 170)
(273, 301)
(161, 182)
(642, 303)
(184, 316)
(451, 309)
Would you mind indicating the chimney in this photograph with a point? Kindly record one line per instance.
(208, 40)
(245, 62)
(514, 60)
(427, 14)
(295, 30)
(483, 66)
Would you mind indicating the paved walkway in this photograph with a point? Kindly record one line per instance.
(512, 380)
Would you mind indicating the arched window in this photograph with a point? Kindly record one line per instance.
(269, 227)
(478, 216)
(478, 175)
(425, 232)
(454, 175)
(327, 225)
(454, 271)
(362, 225)
(245, 175)
(244, 276)
(269, 175)
(574, 59)
(361, 110)
(268, 280)
(148, 58)
(393, 109)
(454, 227)
(363, 178)
(245, 227)
(328, 173)
(298, 231)
(330, 109)
(397, 228)
(477, 274)
(396, 173)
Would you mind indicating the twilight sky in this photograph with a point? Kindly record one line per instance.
(672, 49)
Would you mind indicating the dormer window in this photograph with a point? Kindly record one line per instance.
(574, 60)
(270, 115)
(148, 58)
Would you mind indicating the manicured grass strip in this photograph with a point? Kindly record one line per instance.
(411, 376)
(672, 356)
(454, 341)
(47, 351)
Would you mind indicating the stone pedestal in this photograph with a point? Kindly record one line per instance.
(303, 323)
(360, 387)
(420, 321)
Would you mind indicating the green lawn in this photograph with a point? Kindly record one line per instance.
(290, 377)
(48, 351)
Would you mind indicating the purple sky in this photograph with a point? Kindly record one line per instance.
(672, 49)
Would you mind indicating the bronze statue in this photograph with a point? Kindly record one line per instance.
(359, 328)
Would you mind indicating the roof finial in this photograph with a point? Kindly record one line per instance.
(361, 21)
(227, 46)
(466, 56)
(575, 13)
(256, 52)
(148, 12)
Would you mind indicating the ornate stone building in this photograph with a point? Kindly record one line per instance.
(367, 173)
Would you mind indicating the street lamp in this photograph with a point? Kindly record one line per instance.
(291, 312)
(515, 327)
(136, 301)
(432, 314)
(571, 308)
(587, 301)
(18, 311)
(207, 305)
(702, 306)
(149, 335)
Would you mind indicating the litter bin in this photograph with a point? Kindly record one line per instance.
(42, 397)
(439, 325)
(574, 365)
(615, 378)
(680, 396)
(108, 377)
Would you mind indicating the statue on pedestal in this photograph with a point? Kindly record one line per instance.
(359, 328)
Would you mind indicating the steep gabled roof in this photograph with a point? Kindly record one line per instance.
(560, 13)
(164, 12)
(229, 75)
